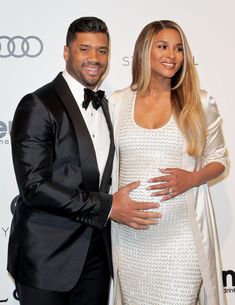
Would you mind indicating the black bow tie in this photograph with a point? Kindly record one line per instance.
(94, 97)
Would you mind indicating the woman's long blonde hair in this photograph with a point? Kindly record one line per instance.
(187, 105)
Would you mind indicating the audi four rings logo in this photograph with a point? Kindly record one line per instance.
(19, 46)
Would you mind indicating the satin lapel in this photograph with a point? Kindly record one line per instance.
(90, 171)
(106, 179)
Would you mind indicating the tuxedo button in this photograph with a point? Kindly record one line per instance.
(88, 221)
(81, 219)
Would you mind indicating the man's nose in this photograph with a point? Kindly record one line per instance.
(93, 56)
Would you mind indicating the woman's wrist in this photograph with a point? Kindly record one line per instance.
(196, 179)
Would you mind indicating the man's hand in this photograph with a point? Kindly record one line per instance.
(132, 213)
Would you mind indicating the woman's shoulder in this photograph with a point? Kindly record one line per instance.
(120, 95)
(207, 100)
(210, 107)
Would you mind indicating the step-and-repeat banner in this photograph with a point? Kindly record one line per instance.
(32, 36)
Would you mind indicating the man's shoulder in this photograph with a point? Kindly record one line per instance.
(44, 95)
(48, 88)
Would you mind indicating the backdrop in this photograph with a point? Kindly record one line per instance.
(32, 36)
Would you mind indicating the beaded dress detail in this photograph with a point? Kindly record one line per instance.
(158, 266)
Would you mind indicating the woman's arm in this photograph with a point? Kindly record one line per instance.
(214, 161)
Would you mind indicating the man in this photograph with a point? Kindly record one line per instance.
(62, 147)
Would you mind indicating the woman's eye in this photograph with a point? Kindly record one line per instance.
(161, 46)
(179, 49)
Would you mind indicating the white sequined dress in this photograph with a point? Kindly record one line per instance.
(158, 266)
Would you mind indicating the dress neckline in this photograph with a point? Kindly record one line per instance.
(144, 128)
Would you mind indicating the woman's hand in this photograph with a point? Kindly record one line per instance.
(175, 182)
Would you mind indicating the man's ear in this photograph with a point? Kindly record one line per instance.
(66, 53)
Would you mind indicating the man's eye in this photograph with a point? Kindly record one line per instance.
(103, 51)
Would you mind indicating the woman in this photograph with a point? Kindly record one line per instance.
(166, 128)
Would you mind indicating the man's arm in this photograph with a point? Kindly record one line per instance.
(33, 151)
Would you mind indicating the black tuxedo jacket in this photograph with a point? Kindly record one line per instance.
(61, 202)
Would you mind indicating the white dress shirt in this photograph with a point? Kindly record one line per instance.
(95, 122)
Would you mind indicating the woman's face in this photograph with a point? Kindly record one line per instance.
(166, 54)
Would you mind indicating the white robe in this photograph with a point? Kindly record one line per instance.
(198, 200)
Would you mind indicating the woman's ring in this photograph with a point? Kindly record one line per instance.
(170, 191)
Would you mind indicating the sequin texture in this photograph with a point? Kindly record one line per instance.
(158, 266)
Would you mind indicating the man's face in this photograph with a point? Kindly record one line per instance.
(87, 58)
